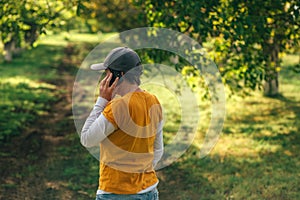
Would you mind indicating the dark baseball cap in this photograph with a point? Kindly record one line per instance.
(119, 59)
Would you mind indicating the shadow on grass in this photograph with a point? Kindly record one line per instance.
(46, 159)
(34, 97)
(263, 165)
(21, 105)
(68, 171)
(73, 169)
(272, 175)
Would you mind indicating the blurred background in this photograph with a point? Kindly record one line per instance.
(255, 45)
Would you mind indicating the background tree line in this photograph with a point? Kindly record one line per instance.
(246, 39)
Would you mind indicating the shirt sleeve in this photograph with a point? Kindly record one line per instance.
(96, 127)
(158, 144)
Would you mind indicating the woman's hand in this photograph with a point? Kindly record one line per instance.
(106, 91)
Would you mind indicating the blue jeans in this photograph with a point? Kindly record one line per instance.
(152, 195)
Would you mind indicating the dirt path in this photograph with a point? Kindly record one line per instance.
(27, 161)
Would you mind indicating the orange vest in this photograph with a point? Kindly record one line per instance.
(126, 155)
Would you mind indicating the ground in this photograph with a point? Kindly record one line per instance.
(255, 158)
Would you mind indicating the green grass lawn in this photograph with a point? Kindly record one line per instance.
(256, 156)
(25, 90)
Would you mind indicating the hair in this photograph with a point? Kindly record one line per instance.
(134, 74)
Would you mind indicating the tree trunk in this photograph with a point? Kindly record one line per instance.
(9, 48)
(32, 34)
(271, 85)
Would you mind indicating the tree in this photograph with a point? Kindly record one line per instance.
(23, 21)
(248, 36)
(112, 15)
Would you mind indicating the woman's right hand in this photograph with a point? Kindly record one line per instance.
(106, 91)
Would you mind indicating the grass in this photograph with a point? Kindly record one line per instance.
(256, 156)
(23, 100)
(25, 91)
(28, 84)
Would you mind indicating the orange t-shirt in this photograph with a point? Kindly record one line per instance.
(126, 155)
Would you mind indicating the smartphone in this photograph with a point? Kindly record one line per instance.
(115, 74)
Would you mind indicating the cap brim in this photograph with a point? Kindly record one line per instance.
(98, 66)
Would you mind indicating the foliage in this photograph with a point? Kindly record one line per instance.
(111, 15)
(248, 38)
(23, 21)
